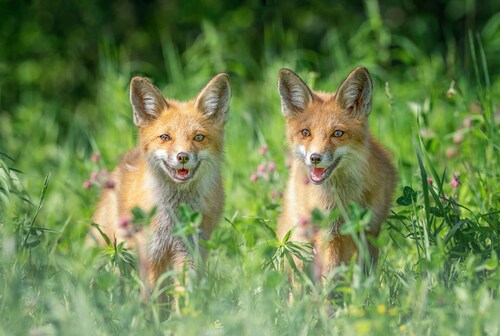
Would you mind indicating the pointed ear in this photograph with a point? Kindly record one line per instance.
(295, 94)
(147, 101)
(355, 93)
(213, 100)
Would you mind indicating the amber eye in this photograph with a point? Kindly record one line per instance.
(305, 132)
(199, 137)
(165, 137)
(337, 134)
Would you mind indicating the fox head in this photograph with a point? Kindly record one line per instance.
(180, 139)
(327, 131)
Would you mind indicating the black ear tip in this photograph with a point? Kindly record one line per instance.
(284, 72)
(361, 68)
(139, 83)
(220, 82)
(362, 72)
(137, 79)
(222, 77)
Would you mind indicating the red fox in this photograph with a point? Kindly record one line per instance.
(335, 161)
(177, 161)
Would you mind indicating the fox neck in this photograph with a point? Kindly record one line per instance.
(348, 183)
(169, 195)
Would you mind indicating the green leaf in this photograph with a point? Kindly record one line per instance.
(292, 264)
(300, 252)
(104, 236)
(425, 187)
(269, 230)
(288, 235)
(491, 264)
(437, 212)
(317, 215)
(409, 196)
(272, 206)
(138, 213)
(32, 243)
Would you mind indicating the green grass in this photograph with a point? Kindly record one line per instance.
(438, 271)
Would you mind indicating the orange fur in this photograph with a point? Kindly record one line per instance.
(166, 171)
(329, 171)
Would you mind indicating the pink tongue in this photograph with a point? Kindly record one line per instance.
(317, 173)
(183, 173)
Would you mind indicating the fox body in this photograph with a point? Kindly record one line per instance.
(177, 161)
(335, 161)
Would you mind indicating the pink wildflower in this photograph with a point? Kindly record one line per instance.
(254, 177)
(429, 181)
(263, 150)
(87, 184)
(467, 122)
(303, 221)
(305, 228)
(427, 133)
(123, 222)
(451, 152)
(455, 182)
(458, 137)
(96, 157)
(271, 166)
(261, 168)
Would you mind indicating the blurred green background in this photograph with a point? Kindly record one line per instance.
(54, 49)
(65, 67)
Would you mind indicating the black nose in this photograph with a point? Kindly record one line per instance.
(183, 157)
(316, 158)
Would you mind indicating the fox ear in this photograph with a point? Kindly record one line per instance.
(355, 93)
(147, 101)
(295, 94)
(213, 100)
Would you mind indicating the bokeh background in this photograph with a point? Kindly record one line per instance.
(55, 48)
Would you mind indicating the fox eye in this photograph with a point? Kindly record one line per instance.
(199, 137)
(337, 134)
(305, 132)
(165, 137)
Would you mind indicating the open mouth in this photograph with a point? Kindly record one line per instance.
(182, 174)
(319, 175)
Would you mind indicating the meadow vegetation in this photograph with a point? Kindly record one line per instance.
(65, 120)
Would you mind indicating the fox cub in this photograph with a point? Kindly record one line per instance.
(335, 161)
(177, 161)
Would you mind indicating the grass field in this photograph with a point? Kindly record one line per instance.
(438, 272)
